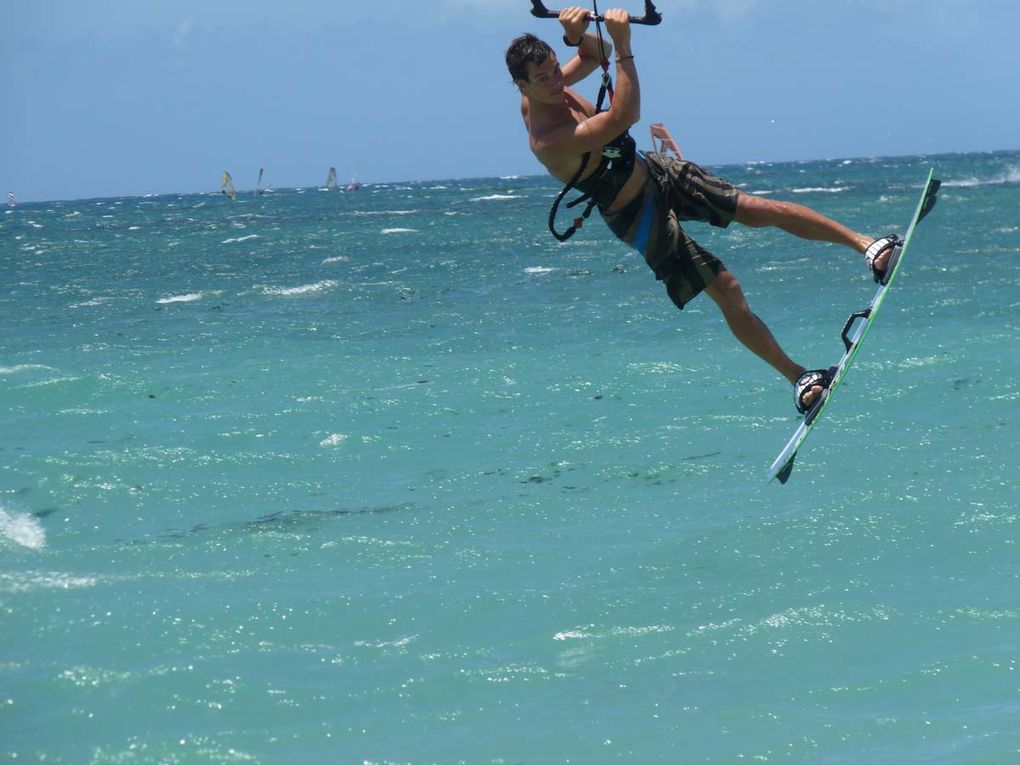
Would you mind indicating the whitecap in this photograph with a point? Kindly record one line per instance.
(23, 529)
(23, 368)
(365, 213)
(495, 196)
(571, 635)
(91, 303)
(1011, 175)
(27, 581)
(820, 190)
(191, 297)
(539, 270)
(304, 289)
(240, 239)
(335, 439)
(399, 231)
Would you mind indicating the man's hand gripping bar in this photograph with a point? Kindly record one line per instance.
(651, 17)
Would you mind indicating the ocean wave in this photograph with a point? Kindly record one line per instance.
(495, 196)
(22, 529)
(367, 213)
(304, 289)
(91, 303)
(240, 239)
(191, 297)
(28, 581)
(1011, 175)
(24, 368)
(819, 190)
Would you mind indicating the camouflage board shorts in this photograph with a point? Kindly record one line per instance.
(676, 190)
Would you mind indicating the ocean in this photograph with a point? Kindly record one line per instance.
(393, 477)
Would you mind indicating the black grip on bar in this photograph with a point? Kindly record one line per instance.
(651, 17)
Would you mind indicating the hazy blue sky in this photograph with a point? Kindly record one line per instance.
(120, 97)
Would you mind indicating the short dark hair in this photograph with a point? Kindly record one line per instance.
(524, 50)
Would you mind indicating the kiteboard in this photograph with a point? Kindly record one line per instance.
(854, 332)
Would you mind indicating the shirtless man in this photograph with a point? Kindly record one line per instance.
(643, 199)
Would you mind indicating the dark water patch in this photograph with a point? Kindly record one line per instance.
(283, 520)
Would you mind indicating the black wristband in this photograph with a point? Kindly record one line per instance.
(573, 45)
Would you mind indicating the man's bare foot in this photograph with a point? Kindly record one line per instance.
(810, 395)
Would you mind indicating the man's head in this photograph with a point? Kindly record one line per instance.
(524, 50)
(535, 69)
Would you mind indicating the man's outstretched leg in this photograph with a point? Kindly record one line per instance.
(751, 331)
(803, 222)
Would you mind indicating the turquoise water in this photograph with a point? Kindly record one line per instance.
(393, 477)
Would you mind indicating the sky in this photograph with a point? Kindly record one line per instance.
(127, 97)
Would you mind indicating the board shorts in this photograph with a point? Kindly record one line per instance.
(676, 190)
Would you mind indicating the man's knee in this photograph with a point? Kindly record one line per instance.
(725, 290)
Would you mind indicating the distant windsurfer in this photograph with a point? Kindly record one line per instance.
(644, 199)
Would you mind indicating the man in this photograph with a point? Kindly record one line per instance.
(643, 198)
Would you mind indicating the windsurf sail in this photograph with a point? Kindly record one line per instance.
(331, 180)
(258, 184)
(11, 201)
(227, 186)
(662, 141)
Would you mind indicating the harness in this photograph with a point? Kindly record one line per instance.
(605, 89)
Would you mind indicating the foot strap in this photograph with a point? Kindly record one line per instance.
(875, 249)
(805, 383)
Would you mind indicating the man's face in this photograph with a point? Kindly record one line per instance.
(545, 81)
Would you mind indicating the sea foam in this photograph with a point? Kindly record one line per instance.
(22, 529)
